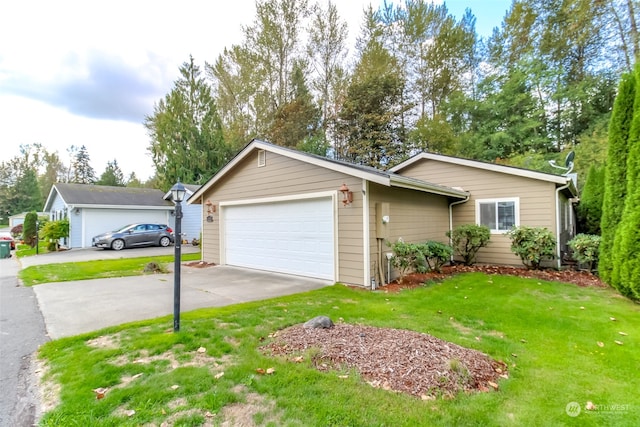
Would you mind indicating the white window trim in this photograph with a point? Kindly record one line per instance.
(262, 158)
(516, 201)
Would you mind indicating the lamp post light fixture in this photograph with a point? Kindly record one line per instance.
(177, 195)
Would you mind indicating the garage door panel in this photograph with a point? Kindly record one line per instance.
(294, 237)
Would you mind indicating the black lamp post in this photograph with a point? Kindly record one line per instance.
(177, 194)
(37, 237)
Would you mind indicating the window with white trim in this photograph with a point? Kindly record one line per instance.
(498, 214)
(262, 158)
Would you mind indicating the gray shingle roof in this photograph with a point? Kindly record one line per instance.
(84, 194)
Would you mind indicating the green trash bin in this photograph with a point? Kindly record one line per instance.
(5, 249)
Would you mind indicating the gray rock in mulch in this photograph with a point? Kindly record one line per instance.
(318, 322)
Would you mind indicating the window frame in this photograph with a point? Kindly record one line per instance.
(495, 201)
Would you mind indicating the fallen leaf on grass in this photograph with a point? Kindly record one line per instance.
(600, 344)
(270, 371)
(343, 376)
(623, 334)
(613, 319)
(504, 376)
(260, 371)
(209, 414)
(298, 359)
(130, 412)
(219, 375)
(493, 385)
(100, 392)
(590, 406)
(175, 387)
(427, 397)
(202, 350)
(618, 342)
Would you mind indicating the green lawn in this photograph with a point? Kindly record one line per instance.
(547, 333)
(99, 269)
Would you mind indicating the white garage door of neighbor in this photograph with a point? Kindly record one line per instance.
(294, 237)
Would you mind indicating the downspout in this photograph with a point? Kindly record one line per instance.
(451, 220)
(558, 254)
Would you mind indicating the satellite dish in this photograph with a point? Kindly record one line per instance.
(568, 162)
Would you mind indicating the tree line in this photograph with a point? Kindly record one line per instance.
(417, 79)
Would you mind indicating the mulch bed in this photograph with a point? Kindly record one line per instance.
(579, 278)
(392, 359)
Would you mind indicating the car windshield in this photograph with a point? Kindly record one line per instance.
(123, 229)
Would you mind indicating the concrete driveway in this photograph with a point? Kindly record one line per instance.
(71, 308)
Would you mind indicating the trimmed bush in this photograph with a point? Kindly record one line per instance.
(406, 258)
(436, 254)
(586, 248)
(29, 229)
(468, 239)
(532, 244)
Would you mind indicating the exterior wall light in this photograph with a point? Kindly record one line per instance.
(347, 196)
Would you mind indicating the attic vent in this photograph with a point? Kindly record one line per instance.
(262, 158)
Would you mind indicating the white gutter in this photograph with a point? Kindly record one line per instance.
(451, 219)
(558, 254)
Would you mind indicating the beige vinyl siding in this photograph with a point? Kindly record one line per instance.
(414, 216)
(536, 200)
(282, 176)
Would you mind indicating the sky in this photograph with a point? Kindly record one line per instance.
(88, 72)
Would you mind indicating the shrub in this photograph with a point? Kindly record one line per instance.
(16, 231)
(436, 254)
(406, 258)
(29, 229)
(467, 240)
(54, 231)
(532, 244)
(586, 248)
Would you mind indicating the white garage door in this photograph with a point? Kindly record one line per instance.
(295, 237)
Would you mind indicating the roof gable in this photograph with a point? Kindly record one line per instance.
(87, 195)
(388, 179)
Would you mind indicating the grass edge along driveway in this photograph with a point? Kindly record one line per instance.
(99, 269)
(564, 346)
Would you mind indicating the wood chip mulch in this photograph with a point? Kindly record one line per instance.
(576, 277)
(392, 359)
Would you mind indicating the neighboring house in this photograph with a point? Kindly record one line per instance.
(501, 197)
(94, 209)
(191, 224)
(18, 219)
(277, 209)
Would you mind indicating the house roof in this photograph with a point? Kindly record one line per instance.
(103, 196)
(388, 179)
(510, 170)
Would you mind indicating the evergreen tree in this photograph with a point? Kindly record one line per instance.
(82, 173)
(615, 178)
(590, 208)
(625, 275)
(187, 141)
(112, 175)
(26, 195)
(297, 119)
(133, 181)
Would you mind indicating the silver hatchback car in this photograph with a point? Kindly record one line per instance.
(135, 235)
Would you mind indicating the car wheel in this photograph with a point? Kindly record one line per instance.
(164, 241)
(117, 244)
